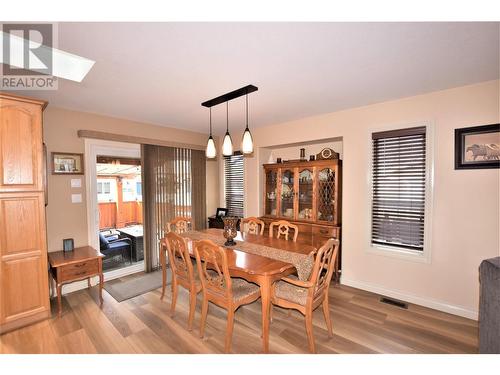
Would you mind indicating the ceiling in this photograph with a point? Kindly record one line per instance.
(161, 72)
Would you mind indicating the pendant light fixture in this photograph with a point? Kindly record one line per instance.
(247, 141)
(211, 151)
(227, 144)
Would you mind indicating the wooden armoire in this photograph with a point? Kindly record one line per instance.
(24, 295)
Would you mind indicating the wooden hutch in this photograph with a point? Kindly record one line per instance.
(307, 194)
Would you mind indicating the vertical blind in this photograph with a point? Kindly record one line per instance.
(398, 207)
(233, 184)
(174, 185)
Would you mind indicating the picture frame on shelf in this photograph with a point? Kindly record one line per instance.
(221, 212)
(64, 163)
(477, 147)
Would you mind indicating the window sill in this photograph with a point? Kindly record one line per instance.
(398, 253)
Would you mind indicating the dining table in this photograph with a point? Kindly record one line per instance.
(250, 259)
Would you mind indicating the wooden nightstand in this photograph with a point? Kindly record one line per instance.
(79, 264)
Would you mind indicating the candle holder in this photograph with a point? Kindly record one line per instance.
(230, 229)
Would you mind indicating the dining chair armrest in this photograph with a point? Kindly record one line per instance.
(303, 284)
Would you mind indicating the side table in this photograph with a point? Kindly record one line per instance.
(79, 264)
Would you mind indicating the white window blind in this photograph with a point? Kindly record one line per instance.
(233, 187)
(398, 207)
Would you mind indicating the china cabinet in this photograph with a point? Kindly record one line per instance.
(306, 193)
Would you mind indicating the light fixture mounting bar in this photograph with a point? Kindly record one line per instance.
(230, 96)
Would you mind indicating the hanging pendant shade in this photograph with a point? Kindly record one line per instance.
(227, 144)
(247, 140)
(211, 151)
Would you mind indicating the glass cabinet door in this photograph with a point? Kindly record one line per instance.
(287, 193)
(305, 194)
(271, 192)
(326, 195)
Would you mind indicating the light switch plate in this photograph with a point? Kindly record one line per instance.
(76, 198)
(76, 182)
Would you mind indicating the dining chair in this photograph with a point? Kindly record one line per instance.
(219, 288)
(251, 225)
(306, 296)
(183, 272)
(283, 229)
(179, 225)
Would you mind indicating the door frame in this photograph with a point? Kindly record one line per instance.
(94, 148)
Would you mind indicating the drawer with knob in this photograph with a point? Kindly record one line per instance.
(79, 270)
(327, 232)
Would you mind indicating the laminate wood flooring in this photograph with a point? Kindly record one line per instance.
(361, 324)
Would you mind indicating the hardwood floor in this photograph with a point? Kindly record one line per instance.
(143, 324)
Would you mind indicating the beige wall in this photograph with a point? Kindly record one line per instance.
(69, 220)
(465, 222)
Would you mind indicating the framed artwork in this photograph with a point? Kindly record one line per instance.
(477, 147)
(67, 163)
(221, 212)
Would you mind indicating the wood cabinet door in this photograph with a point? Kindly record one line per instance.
(23, 257)
(21, 156)
(325, 194)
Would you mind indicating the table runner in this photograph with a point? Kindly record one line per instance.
(303, 263)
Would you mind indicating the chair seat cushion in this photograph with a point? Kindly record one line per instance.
(242, 288)
(290, 292)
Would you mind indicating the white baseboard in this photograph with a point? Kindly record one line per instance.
(430, 303)
(110, 275)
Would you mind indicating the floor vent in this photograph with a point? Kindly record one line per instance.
(394, 302)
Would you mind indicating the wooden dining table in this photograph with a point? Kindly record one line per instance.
(258, 269)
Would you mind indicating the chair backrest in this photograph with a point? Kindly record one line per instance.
(178, 255)
(213, 270)
(284, 229)
(103, 242)
(179, 225)
(252, 225)
(324, 263)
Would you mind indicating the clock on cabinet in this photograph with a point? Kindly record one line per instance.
(326, 154)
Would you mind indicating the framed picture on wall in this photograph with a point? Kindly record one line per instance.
(67, 163)
(477, 147)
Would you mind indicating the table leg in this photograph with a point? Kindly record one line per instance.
(265, 295)
(101, 282)
(59, 300)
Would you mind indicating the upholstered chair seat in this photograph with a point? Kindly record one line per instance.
(242, 289)
(290, 292)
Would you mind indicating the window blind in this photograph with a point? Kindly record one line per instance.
(233, 187)
(398, 206)
(174, 185)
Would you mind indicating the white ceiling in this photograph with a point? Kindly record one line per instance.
(161, 72)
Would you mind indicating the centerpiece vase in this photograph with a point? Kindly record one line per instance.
(230, 229)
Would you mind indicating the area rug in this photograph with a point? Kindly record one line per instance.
(122, 290)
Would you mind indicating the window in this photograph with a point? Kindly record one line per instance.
(399, 188)
(233, 184)
(106, 190)
(131, 189)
